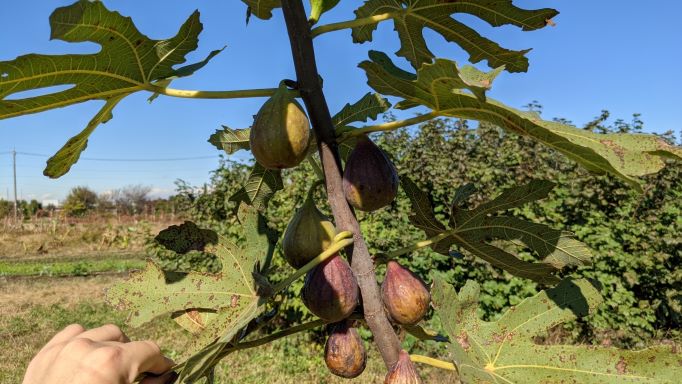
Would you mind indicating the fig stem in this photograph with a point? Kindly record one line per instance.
(265, 340)
(331, 251)
(195, 94)
(331, 27)
(420, 244)
(434, 362)
(280, 334)
(390, 126)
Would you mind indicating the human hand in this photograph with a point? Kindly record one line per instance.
(101, 355)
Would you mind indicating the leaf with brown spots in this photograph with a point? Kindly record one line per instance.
(504, 352)
(213, 306)
(453, 92)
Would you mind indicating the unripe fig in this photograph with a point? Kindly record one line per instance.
(370, 180)
(281, 132)
(308, 234)
(403, 372)
(404, 294)
(330, 290)
(344, 352)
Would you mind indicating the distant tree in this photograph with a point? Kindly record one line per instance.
(131, 199)
(80, 201)
(5, 208)
(30, 208)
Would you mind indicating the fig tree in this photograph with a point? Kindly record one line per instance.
(330, 290)
(281, 132)
(370, 180)
(405, 295)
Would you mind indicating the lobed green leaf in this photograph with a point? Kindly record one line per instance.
(261, 8)
(473, 229)
(368, 107)
(504, 351)
(231, 140)
(626, 156)
(411, 17)
(261, 185)
(212, 306)
(127, 62)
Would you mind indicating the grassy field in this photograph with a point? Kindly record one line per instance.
(54, 273)
(58, 239)
(40, 306)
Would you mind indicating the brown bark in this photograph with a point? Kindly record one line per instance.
(310, 88)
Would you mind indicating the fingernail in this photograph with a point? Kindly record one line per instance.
(172, 376)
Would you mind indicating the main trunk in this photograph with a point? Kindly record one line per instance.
(311, 91)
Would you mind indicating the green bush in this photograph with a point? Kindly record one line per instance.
(635, 238)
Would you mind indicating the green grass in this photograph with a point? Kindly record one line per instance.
(68, 268)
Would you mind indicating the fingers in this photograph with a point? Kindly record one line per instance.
(108, 332)
(65, 334)
(146, 356)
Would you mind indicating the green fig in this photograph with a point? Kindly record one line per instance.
(370, 180)
(330, 290)
(403, 371)
(404, 294)
(280, 133)
(308, 234)
(344, 352)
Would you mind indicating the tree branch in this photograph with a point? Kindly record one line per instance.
(310, 89)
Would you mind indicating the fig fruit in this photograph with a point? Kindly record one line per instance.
(308, 234)
(344, 352)
(403, 372)
(330, 290)
(280, 133)
(370, 180)
(404, 294)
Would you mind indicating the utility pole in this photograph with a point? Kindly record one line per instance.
(14, 166)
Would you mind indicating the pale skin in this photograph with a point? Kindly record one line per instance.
(101, 355)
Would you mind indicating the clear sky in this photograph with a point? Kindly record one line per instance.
(620, 55)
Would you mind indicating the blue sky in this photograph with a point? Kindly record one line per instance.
(606, 54)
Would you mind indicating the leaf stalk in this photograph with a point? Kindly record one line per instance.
(421, 244)
(390, 126)
(433, 362)
(194, 94)
(341, 241)
(322, 29)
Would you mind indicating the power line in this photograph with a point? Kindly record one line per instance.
(128, 160)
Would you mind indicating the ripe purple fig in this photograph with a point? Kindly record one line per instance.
(404, 294)
(280, 133)
(330, 290)
(403, 372)
(308, 234)
(344, 352)
(370, 180)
